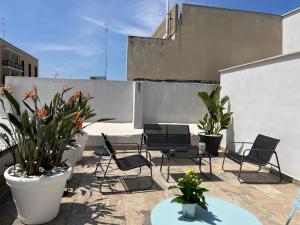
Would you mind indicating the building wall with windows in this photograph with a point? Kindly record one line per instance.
(16, 62)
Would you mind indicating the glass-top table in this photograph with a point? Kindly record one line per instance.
(195, 155)
(219, 212)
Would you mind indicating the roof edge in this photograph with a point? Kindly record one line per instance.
(231, 9)
(19, 49)
(290, 13)
(234, 68)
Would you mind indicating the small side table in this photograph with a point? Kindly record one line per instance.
(183, 153)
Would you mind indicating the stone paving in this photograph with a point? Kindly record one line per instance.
(86, 205)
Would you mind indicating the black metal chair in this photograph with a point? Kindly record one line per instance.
(125, 163)
(259, 154)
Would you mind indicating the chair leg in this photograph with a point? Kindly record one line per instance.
(96, 168)
(278, 166)
(104, 174)
(150, 167)
(259, 168)
(161, 162)
(223, 162)
(291, 215)
(240, 172)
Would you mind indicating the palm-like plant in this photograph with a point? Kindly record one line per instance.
(216, 119)
(37, 136)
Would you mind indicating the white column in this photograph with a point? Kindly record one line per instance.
(137, 112)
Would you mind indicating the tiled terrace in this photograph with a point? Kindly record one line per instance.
(86, 205)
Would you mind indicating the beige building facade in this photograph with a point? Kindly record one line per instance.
(16, 62)
(202, 41)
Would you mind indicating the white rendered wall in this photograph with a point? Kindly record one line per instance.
(145, 102)
(291, 32)
(166, 102)
(265, 98)
(112, 99)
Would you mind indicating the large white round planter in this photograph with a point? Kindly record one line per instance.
(70, 154)
(81, 139)
(37, 199)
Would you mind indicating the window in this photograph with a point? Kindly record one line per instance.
(35, 71)
(29, 69)
(22, 63)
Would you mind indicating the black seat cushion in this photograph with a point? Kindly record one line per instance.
(131, 162)
(238, 158)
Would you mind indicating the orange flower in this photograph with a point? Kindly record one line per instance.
(78, 121)
(78, 94)
(34, 93)
(27, 93)
(42, 112)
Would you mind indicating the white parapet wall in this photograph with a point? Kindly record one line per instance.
(112, 99)
(126, 101)
(265, 98)
(291, 32)
(166, 102)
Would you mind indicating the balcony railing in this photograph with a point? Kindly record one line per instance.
(12, 64)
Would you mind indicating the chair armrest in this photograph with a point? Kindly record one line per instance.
(237, 142)
(128, 151)
(133, 144)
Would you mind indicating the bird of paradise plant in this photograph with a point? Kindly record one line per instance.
(37, 136)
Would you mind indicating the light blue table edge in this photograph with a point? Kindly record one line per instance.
(208, 199)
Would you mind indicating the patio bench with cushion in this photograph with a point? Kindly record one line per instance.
(166, 136)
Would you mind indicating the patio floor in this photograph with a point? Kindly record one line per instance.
(86, 205)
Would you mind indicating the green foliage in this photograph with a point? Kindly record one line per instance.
(189, 185)
(37, 136)
(216, 119)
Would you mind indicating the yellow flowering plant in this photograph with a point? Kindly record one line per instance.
(189, 185)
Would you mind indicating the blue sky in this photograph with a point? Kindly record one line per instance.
(68, 36)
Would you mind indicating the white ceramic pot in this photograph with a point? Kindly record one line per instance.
(81, 139)
(70, 154)
(189, 210)
(37, 199)
(78, 151)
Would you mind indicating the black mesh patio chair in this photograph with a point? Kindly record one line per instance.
(125, 163)
(259, 154)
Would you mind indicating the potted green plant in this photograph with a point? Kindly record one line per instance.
(192, 194)
(81, 101)
(36, 138)
(215, 120)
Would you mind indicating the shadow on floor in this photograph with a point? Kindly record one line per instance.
(132, 183)
(178, 162)
(213, 178)
(87, 213)
(8, 211)
(262, 176)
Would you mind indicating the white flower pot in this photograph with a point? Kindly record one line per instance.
(81, 139)
(37, 199)
(70, 154)
(189, 210)
(79, 151)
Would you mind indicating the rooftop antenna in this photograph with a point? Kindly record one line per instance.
(3, 28)
(106, 48)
